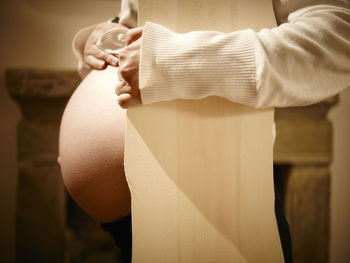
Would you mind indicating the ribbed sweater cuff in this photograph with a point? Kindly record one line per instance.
(196, 65)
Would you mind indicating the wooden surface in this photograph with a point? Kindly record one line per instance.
(200, 172)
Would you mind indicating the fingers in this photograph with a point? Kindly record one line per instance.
(127, 100)
(127, 97)
(92, 55)
(122, 88)
(133, 34)
(111, 60)
(128, 87)
(99, 59)
(129, 58)
(94, 62)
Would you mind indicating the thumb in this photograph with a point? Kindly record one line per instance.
(133, 34)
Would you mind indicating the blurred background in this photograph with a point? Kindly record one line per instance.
(37, 34)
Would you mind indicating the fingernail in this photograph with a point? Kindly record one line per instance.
(101, 63)
(114, 60)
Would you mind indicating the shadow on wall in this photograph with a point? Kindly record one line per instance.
(9, 115)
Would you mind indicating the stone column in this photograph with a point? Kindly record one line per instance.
(303, 149)
(40, 217)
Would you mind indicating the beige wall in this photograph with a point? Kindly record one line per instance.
(34, 33)
(38, 33)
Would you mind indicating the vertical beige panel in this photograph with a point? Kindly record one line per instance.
(200, 172)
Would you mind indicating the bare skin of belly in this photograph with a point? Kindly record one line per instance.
(91, 148)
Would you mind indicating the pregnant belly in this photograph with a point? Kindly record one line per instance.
(91, 147)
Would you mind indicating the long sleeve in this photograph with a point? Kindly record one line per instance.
(300, 62)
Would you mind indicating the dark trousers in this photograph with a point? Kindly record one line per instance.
(283, 229)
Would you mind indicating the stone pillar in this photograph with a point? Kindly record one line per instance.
(40, 217)
(304, 148)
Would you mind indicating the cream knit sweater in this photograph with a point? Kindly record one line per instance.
(302, 61)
